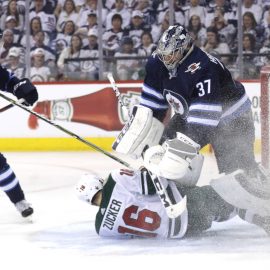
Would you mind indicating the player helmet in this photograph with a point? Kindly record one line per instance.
(174, 41)
(88, 186)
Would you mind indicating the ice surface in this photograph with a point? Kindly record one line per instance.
(62, 235)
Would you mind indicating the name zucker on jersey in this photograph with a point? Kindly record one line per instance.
(111, 214)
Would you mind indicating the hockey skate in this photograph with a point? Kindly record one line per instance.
(24, 208)
(263, 222)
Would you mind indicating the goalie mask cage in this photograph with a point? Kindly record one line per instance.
(265, 118)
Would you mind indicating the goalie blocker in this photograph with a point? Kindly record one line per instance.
(140, 132)
(177, 159)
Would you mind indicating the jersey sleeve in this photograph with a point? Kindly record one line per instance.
(106, 197)
(152, 89)
(8, 80)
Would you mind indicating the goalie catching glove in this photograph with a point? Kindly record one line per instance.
(178, 160)
(140, 132)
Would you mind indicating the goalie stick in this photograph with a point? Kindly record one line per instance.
(117, 93)
(172, 210)
(13, 102)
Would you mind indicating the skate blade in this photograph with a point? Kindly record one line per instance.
(30, 219)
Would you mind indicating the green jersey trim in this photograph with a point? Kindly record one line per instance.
(106, 197)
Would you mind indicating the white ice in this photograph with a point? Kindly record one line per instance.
(62, 234)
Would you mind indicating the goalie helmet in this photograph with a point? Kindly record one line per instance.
(88, 186)
(174, 41)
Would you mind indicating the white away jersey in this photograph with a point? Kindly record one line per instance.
(130, 207)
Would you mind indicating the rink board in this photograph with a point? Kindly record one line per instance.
(16, 135)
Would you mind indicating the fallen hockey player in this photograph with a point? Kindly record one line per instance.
(129, 205)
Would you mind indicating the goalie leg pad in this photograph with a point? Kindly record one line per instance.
(141, 131)
(242, 192)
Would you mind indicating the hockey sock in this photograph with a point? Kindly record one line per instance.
(10, 184)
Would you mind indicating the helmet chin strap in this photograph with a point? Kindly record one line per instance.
(186, 54)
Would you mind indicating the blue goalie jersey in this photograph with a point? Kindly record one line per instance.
(201, 90)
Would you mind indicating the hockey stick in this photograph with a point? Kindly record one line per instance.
(13, 102)
(3, 109)
(172, 210)
(117, 93)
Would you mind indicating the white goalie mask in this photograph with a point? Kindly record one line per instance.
(173, 42)
(88, 186)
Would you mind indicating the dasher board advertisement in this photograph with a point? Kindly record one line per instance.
(90, 110)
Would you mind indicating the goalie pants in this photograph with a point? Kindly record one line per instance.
(204, 206)
(232, 143)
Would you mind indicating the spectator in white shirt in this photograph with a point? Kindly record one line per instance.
(158, 30)
(91, 23)
(195, 9)
(220, 7)
(148, 13)
(248, 5)
(68, 13)
(90, 68)
(214, 46)
(136, 27)
(63, 38)
(127, 69)
(12, 12)
(226, 32)
(146, 49)
(112, 37)
(39, 42)
(163, 12)
(60, 4)
(90, 6)
(147, 45)
(48, 21)
(11, 23)
(14, 63)
(119, 9)
(197, 30)
(7, 43)
(39, 71)
(72, 69)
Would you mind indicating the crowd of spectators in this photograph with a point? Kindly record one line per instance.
(67, 29)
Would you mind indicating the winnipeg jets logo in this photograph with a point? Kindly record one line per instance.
(177, 103)
(193, 67)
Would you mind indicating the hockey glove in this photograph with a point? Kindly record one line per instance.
(26, 90)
